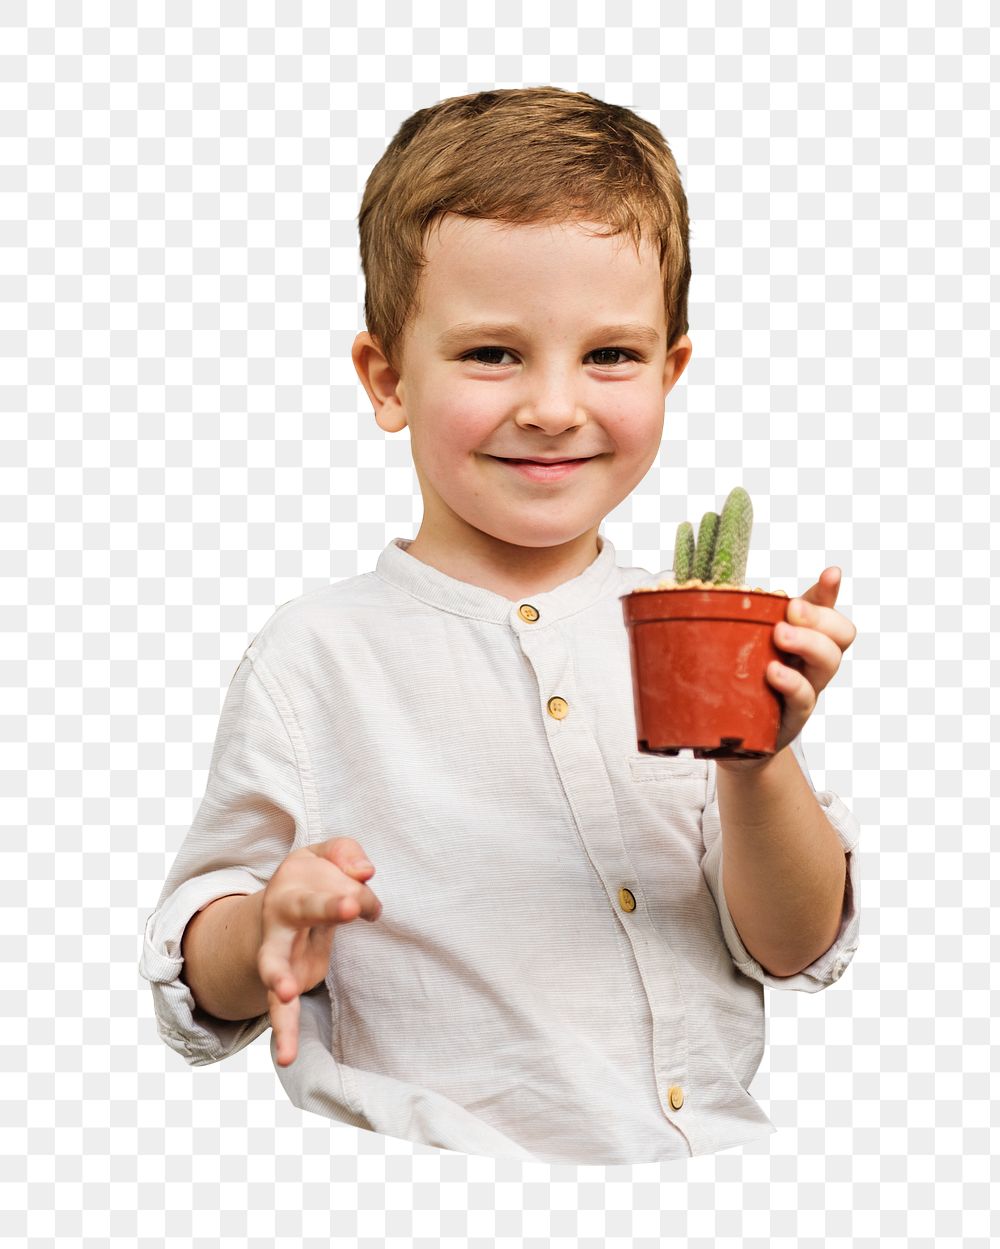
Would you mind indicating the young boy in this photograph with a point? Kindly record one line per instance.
(566, 953)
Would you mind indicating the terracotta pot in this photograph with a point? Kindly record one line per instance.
(699, 662)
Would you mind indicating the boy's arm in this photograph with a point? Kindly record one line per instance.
(254, 812)
(784, 876)
(783, 866)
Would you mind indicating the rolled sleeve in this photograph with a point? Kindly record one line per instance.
(198, 1037)
(254, 813)
(831, 965)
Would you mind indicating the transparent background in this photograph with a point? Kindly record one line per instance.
(185, 446)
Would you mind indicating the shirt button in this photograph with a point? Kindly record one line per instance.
(558, 708)
(626, 899)
(676, 1097)
(527, 612)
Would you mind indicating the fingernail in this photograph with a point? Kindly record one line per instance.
(361, 865)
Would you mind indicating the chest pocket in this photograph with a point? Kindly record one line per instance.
(675, 778)
(665, 768)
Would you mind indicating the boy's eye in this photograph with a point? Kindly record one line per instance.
(600, 351)
(485, 351)
(613, 351)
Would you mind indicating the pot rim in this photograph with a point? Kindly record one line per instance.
(704, 587)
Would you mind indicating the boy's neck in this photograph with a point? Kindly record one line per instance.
(514, 572)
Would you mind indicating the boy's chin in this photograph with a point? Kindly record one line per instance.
(529, 539)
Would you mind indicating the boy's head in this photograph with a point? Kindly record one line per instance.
(557, 216)
(525, 156)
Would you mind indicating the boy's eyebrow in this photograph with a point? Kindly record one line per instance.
(466, 330)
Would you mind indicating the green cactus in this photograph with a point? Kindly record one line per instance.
(729, 564)
(684, 552)
(723, 544)
(707, 531)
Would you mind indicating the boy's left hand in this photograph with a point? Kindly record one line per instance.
(816, 636)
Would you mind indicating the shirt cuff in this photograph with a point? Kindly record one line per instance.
(830, 965)
(198, 1037)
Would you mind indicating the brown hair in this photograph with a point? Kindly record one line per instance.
(530, 155)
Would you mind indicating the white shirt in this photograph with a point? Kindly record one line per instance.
(505, 1002)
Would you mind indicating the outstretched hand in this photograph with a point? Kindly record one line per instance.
(314, 890)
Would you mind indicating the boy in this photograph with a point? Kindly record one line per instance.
(566, 954)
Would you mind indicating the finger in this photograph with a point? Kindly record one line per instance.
(340, 908)
(274, 968)
(350, 884)
(824, 592)
(334, 907)
(819, 654)
(345, 853)
(825, 620)
(356, 899)
(369, 906)
(285, 1025)
(798, 694)
(292, 910)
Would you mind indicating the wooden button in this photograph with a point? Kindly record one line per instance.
(558, 708)
(527, 612)
(676, 1097)
(626, 899)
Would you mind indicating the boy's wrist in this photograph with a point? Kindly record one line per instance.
(748, 767)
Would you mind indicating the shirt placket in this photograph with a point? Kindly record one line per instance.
(580, 763)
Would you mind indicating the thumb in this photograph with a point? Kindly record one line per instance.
(824, 592)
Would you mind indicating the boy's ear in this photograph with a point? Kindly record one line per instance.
(380, 381)
(677, 361)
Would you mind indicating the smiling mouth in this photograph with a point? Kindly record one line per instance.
(544, 471)
(568, 460)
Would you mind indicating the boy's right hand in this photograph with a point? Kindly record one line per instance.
(314, 889)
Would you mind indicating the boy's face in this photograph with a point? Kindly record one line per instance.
(556, 384)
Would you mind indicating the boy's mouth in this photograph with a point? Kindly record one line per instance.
(542, 460)
(543, 469)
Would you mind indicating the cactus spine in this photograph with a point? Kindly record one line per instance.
(723, 544)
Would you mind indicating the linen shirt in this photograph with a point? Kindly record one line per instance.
(555, 973)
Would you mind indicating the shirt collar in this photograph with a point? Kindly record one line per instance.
(436, 588)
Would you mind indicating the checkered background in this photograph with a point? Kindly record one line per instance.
(185, 446)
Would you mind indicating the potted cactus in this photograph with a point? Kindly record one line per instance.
(700, 646)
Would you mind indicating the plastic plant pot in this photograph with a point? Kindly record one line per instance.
(699, 662)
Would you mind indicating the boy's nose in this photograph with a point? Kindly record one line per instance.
(552, 413)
